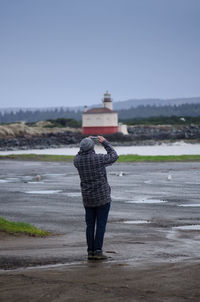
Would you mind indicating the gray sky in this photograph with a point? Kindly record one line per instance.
(69, 52)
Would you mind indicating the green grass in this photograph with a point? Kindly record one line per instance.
(12, 227)
(157, 158)
(39, 157)
(122, 158)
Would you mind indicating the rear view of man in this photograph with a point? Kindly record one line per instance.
(95, 191)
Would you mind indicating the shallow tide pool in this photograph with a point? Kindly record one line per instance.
(188, 227)
(44, 192)
(148, 201)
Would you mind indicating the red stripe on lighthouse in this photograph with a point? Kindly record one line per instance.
(99, 130)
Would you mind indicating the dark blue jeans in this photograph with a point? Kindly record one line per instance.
(96, 217)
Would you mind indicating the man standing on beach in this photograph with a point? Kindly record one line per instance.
(95, 191)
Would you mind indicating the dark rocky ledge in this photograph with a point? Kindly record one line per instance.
(138, 135)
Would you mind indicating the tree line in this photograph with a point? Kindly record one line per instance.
(164, 120)
(152, 111)
(30, 116)
(141, 111)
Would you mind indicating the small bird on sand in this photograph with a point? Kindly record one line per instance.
(38, 177)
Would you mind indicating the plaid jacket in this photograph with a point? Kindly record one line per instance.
(91, 168)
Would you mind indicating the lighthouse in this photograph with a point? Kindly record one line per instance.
(103, 120)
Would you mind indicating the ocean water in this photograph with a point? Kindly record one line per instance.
(178, 148)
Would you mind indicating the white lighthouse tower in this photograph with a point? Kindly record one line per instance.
(107, 102)
(100, 120)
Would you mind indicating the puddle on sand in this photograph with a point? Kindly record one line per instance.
(195, 227)
(147, 182)
(189, 205)
(136, 221)
(117, 198)
(148, 201)
(27, 178)
(73, 194)
(11, 179)
(53, 175)
(35, 182)
(44, 192)
(45, 266)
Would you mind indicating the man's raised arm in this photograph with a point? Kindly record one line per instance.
(111, 155)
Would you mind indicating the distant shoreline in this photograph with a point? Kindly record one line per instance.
(22, 137)
(148, 142)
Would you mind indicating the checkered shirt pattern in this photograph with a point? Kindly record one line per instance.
(91, 168)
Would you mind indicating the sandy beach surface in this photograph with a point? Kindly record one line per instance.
(152, 238)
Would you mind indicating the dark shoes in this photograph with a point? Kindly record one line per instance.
(90, 255)
(97, 255)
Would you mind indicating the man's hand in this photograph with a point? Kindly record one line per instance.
(101, 139)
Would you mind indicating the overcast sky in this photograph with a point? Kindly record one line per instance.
(69, 52)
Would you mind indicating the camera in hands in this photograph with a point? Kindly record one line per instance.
(94, 137)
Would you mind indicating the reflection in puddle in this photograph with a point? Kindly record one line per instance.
(190, 205)
(27, 177)
(172, 235)
(147, 181)
(35, 182)
(74, 194)
(10, 179)
(136, 221)
(54, 175)
(46, 266)
(194, 227)
(117, 198)
(150, 201)
(44, 192)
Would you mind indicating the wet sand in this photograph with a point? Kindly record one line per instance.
(104, 282)
(150, 259)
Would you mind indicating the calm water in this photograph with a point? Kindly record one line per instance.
(177, 148)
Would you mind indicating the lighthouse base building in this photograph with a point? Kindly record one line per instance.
(100, 121)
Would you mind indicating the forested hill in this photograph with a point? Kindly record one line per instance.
(124, 114)
(155, 102)
(152, 111)
(39, 115)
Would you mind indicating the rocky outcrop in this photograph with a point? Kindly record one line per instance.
(140, 134)
(46, 140)
(164, 132)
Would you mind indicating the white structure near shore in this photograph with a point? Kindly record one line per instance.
(103, 120)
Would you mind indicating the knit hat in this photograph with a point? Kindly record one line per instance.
(86, 144)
